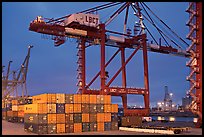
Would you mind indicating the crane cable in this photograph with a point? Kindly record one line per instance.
(159, 29)
(156, 27)
(165, 24)
(62, 18)
(162, 27)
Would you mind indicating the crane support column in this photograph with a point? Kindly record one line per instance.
(124, 83)
(146, 75)
(103, 78)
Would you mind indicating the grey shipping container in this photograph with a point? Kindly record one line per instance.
(85, 127)
(42, 118)
(107, 126)
(69, 118)
(69, 98)
(60, 108)
(114, 117)
(131, 121)
(92, 108)
(85, 108)
(12, 119)
(100, 108)
(31, 118)
(114, 125)
(69, 128)
(77, 117)
(36, 128)
(93, 117)
(51, 128)
(20, 120)
(93, 126)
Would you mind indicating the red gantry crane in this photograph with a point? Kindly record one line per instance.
(87, 28)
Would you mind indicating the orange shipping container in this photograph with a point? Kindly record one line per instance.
(92, 99)
(60, 128)
(114, 108)
(42, 98)
(85, 117)
(69, 108)
(60, 98)
(51, 108)
(35, 108)
(85, 98)
(52, 118)
(12, 113)
(20, 114)
(77, 127)
(107, 108)
(14, 102)
(51, 98)
(100, 126)
(107, 99)
(107, 117)
(60, 118)
(77, 108)
(100, 117)
(77, 98)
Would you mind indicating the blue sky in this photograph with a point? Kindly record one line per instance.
(53, 69)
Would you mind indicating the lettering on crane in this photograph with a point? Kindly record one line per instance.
(91, 19)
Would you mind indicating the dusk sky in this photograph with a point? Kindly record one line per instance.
(53, 69)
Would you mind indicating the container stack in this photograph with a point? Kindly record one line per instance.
(13, 110)
(70, 113)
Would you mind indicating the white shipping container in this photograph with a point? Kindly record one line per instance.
(60, 98)
(14, 107)
(91, 20)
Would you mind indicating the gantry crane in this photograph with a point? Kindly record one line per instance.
(195, 62)
(85, 27)
(9, 87)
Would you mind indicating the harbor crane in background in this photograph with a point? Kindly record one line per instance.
(10, 86)
(89, 30)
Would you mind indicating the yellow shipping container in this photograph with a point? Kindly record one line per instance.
(107, 99)
(60, 118)
(107, 108)
(14, 102)
(85, 98)
(77, 98)
(114, 108)
(100, 117)
(77, 127)
(52, 118)
(51, 98)
(107, 117)
(60, 98)
(42, 98)
(85, 117)
(77, 108)
(60, 128)
(51, 108)
(92, 99)
(21, 108)
(100, 126)
(69, 108)
(35, 108)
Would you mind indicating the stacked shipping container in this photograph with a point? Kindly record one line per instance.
(70, 113)
(13, 110)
